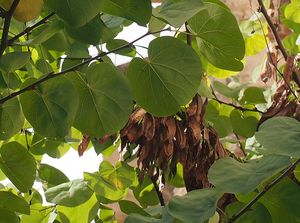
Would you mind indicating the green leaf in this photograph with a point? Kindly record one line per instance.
(168, 79)
(38, 214)
(107, 215)
(18, 165)
(14, 60)
(297, 172)
(105, 100)
(291, 11)
(11, 118)
(51, 175)
(194, 207)
(244, 123)
(258, 213)
(69, 194)
(111, 182)
(83, 213)
(280, 135)
(227, 91)
(90, 33)
(51, 107)
(177, 12)
(8, 216)
(133, 218)
(135, 10)
(219, 37)
(283, 202)
(75, 12)
(12, 202)
(253, 95)
(229, 175)
(129, 207)
(116, 43)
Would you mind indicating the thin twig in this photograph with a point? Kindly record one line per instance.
(30, 28)
(74, 68)
(238, 107)
(158, 192)
(266, 189)
(273, 29)
(6, 26)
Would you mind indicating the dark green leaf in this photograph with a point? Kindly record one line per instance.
(8, 216)
(129, 207)
(194, 207)
(51, 107)
(168, 79)
(177, 12)
(69, 194)
(18, 165)
(105, 100)
(229, 175)
(51, 175)
(14, 61)
(253, 95)
(219, 37)
(280, 135)
(75, 12)
(117, 43)
(135, 10)
(12, 202)
(11, 118)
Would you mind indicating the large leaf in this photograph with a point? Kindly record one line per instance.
(229, 175)
(195, 207)
(283, 202)
(8, 216)
(51, 175)
(11, 118)
(18, 165)
(280, 135)
(12, 202)
(135, 10)
(177, 12)
(168, 79)
(218, 36)
(51, 107)
(69, 194)
(105, 100)
(75, 12)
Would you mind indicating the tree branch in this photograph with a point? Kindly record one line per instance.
(74, 68)
(238, 107)
(273, 29)
(158, 192)
(30, 28)
(6, 26)
(266, 189)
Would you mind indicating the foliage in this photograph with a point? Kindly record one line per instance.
(234, 146)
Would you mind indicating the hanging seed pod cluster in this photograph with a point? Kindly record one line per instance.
(163, 142)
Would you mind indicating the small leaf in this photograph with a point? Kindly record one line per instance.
(177, 12)
(129, 207)
(231, 176)
(253, 95)
(51, 175)
(14, 61)
(116, 43)
(69, 194)
(194, 207)
(280, 135)
(168, 80)
(12, 202)
(18, 165)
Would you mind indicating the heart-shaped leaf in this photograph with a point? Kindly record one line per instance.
(168, 79)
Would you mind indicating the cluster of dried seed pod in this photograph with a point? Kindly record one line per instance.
(163, 142)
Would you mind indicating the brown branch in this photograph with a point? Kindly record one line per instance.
(238, 107)
(158, 192)
(6, 26)
(74, 68)
(30, 28)
(266, 189)
(273, 29)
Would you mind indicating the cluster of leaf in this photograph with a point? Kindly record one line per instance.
(53, 92)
